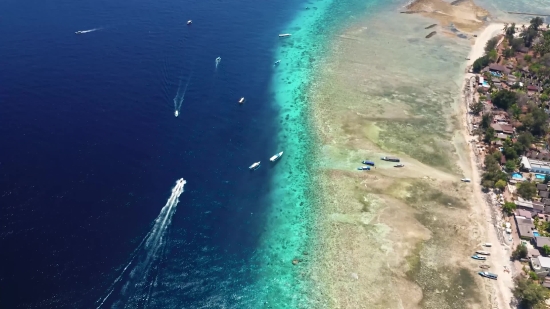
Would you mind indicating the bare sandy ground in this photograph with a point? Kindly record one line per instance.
(399, 237)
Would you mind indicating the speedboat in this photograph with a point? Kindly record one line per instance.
(189, 22)
(488, 275)
(78, 32)
(483, 252)
(277, 62)
(276, 157)
(284, 35)
(254, 166)
(241, 101)
(478, 257)
(399, 165)
(176, 113)
(363, 168)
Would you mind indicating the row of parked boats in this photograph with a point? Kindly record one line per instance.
(371, 163)
(481, 255)
(274, 158)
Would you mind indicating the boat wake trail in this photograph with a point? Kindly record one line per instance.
(89, 30)
(133, 287)
(180, 96)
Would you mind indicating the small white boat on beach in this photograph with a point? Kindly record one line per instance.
(241, 101)
(487, 244)
(465, 180)
(483, 252)
(399, 165)
(284, 35)
(276, 157)
(254, 166)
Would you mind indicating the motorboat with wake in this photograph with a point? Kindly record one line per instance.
(241, 101)
(176, 113)
(78, 32)
(284, 35)
(254, 166)
(276, 157)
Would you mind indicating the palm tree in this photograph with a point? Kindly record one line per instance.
(505, 29)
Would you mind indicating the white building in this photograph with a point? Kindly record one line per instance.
(541, 265)
(538, 166)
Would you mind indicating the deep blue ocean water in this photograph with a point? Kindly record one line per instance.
(90, 148)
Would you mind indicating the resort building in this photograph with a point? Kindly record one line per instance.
(541, 242)
(541, 265)
(525, 227)
(538, 166)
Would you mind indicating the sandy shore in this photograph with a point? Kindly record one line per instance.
(478, 49)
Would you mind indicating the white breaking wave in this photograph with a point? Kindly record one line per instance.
(134, 285)
(178, 99)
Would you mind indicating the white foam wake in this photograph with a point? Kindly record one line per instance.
(133, 287)
(89, 30)
(180, 96)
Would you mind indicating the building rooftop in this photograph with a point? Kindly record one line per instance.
(542, 241)
(544, 261)
(542, 187)
(499, 68)
(523, 213)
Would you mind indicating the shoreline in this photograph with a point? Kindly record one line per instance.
(500, 252)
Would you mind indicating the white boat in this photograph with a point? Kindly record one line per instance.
(483, 252)
(277, 62)
(276, 157)
(487, 244)
(78, 32)
(241, 101)
(465, 180)
(189, 22)
(254, 166)
(399, 165)
(176, 113)
(284, 35)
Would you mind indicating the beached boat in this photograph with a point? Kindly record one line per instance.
(364, 168)
(368, 162)
(488, 275)
(254, 166)
(487, 244)
(399, 165)
(484, 266)
(241, 101)
(276, 157)
(391, 159)
(284, 35)
(465, 180)
(478, 257)
(483, 252)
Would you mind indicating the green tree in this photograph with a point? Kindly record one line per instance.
(491, 44)
(520, 252)
(546, 250)
(504, 99)
(486, 120)
(510, 30)
(476, 107)
(508, 53)
(527, 190)
(525, 139)
(500, 184)
(493, 55)
(539, 121)
(544, 97)
(536, 23)
(509, 208)
(487, 184)
(489, 135)
(510, 166)
(516, 44)
(530, 293)
(480, 63)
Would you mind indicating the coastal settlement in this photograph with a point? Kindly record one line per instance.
(507, 96)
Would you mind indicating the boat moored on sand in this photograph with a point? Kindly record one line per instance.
(254, 166)
(483, 252)
(276, 157)
(488, 275)
(363, 168)
(391, 159)
(399, 165)
(371, 163)
(478, 257)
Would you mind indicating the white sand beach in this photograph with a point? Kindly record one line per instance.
(478, 49)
